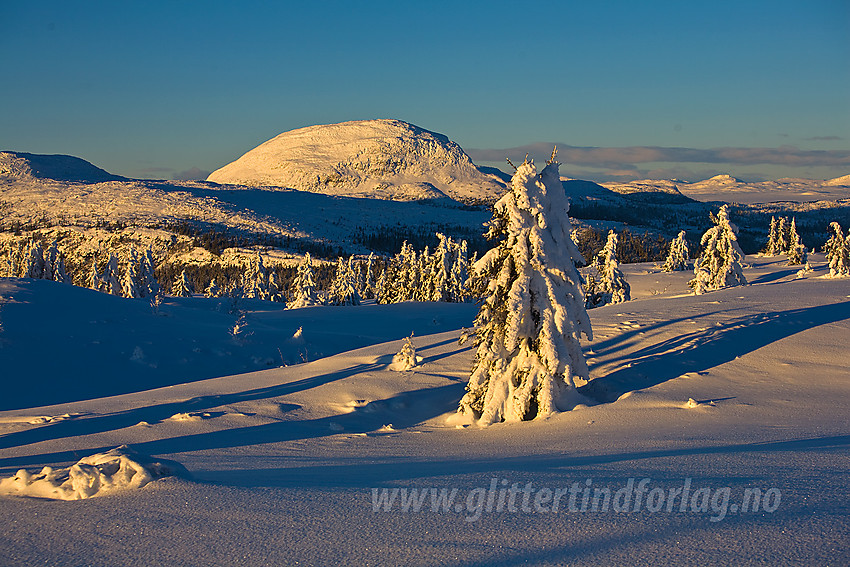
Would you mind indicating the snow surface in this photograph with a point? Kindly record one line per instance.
(387, 159)
(283, 460)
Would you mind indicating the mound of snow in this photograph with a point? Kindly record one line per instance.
(387, 159)
(118, 469)
(58, 167)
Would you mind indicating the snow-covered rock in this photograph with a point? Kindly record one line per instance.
(58, 167)
(388, 159)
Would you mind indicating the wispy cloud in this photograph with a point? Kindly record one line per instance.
(626, 158)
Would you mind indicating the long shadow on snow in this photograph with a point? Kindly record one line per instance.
(712, 347)
(389, 472)
(404, 410)
(156, 413)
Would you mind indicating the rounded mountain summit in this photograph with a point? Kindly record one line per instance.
(384, 159)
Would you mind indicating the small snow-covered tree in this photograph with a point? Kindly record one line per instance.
(720, 263)
(182, 287)
(610, 285)
(406, 358)
(305, 294)
(213, 290)
(677, 258)
(528, 354)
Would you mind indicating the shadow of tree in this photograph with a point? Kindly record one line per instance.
(701, 350)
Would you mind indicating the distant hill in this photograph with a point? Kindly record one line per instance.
(58, 167)
(386, 159)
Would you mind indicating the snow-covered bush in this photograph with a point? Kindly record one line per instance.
(527, 331)
(678, 256)
(405, 359)
(719, 265)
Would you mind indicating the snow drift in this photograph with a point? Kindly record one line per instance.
(117, 469)
(388, 159)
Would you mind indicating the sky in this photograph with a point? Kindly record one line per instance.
(627, 90)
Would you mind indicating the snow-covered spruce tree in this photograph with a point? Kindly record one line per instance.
(720, 263)
(834, 243)
(772, 248)
(181, 287)
(110, 279)
(406, 358)
(32, 264)
(54, 262)
(305, 294)
(93, 279)
(782, 236)
(610, 285)
(275, 289)
(130, 277)
(528, 328)
(368, 291)
(460, 272)
(13, 255)
(148, 284)
(213, 290)
(677, 258)
(797, 253)
(441, 270)
(839, 263)
(343, 288)
(255, 280)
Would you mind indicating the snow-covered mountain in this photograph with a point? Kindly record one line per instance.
(58, 167)
(386, 159)
(730, 189)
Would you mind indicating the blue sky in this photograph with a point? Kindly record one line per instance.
(155, 89)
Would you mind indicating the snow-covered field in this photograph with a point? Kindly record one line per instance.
(714, 395)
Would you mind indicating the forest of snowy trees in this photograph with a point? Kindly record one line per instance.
(444, 274)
